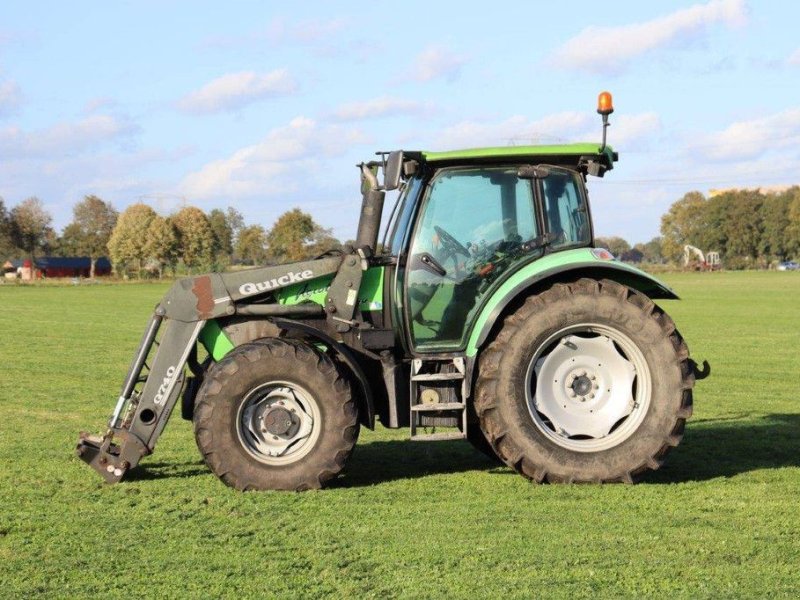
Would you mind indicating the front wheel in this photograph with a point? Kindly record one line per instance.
(275, 414)
(587, 381)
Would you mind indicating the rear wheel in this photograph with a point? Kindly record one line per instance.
(588, 381)
(275, 414)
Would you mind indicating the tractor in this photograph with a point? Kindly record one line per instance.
(486, 314)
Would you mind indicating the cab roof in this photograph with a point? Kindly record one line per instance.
(564, 154)
(521, 152)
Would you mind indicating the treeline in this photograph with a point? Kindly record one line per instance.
(141, 242)
(749, 228)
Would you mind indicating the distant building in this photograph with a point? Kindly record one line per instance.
(61, 266)
(764, 189)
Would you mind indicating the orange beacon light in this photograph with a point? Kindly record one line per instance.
(605, 105)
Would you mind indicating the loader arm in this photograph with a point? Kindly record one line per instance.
(156, 375)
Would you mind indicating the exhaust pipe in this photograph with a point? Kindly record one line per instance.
(369, 223)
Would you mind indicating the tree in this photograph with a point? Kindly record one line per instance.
(91, 227)
(775, 221)
(682, 224)
(742, 225)
(162, 243)
(792, 240)
(195, 238)
(616, 245)
(651, 251)
(127, 243)
(30, 225)
(70, 241)
(223, 237)
(713, 233)
(235, 221)
(322, 240)
(251, 245)
(295, 236)
(7, 247)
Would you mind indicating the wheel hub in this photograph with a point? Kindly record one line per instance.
(582, 385)
(583, 389)
(276, 423)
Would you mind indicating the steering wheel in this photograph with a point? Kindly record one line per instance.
(450, 244)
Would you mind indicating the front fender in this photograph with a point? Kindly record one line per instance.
(562, 266)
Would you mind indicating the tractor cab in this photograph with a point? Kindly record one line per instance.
(465, 220)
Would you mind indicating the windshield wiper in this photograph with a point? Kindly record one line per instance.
(539, 242)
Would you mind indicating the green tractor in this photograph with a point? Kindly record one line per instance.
(485, 314)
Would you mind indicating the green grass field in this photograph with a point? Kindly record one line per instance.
(721, 519)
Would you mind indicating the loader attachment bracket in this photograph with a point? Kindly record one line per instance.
(111, 460)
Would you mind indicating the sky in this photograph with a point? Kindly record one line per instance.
(266, 106)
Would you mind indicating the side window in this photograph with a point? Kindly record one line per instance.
(470, 230)
(405, 210)
(566, 214)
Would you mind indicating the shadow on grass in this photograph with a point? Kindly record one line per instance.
(710, 449)
(378, 462)
(727, 447)
(146, 471)
(713, 448)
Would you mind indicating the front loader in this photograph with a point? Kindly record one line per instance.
(486, 314)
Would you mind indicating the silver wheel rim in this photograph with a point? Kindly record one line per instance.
(588, 387)
(278, 423)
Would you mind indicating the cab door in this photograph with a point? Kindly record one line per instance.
(470, 231)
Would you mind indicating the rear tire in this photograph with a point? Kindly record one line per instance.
(586, 382)
(275, 414)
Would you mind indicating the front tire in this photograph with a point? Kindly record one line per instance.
(275, 415)
(586, 382)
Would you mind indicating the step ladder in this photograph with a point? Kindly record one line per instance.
(438, 398)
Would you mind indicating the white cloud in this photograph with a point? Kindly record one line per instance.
(236, 90)
(608, 48)
(99, 104)
(569, 126)
(310, 32)
(319, 35)
(381, 107)
(10, 96)
(746, 140)
(629, 130)
(437, 62)
(273, 165)
(794, 58)
(61, 180)
(66, 138)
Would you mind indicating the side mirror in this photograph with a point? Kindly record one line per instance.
(392, 170)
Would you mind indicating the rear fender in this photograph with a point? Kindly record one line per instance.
(556, 268)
